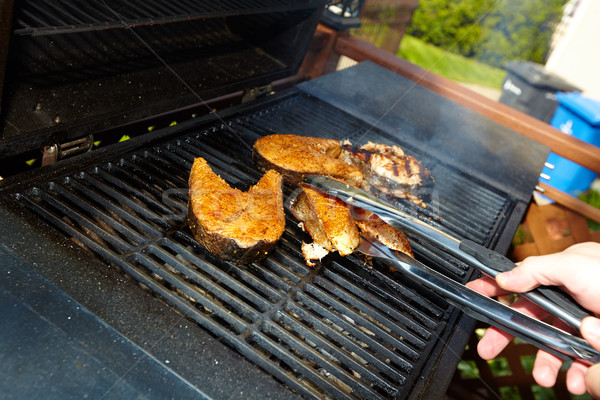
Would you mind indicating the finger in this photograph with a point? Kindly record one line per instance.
(486, 286)
(495, 340)
(492, 343)
(529, 308)
(592, 381)
(546, 368)
(576, 378)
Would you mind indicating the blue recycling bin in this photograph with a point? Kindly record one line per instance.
(579, 116)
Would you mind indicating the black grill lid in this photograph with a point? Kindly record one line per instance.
(78, 67)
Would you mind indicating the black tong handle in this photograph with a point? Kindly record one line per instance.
(498, 263)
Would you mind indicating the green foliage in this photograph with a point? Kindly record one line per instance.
(493, 31)
(452, 25)
(468, 369)
(518, 30)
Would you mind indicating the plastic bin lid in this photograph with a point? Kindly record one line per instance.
(536, 75)
(585, 107)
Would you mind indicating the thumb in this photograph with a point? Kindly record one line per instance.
(517, 280)
(590, 330)
(532, 272)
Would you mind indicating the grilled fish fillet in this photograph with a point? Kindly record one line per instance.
(234, 225)
(373, 226)
(297, 156)
(327, 220)
(389, 170)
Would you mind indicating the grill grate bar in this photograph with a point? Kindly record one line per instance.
(171, 170)
(368, 298)
(276, 263)
(138, 180)
(300, 369)
(64, 209)
(144, 213)
(182, 160)
(348, 362)
(320, 360)
(191, 292)
(219, 289)
(375, 359)
(229, 278)
(246, 171)
(364, 309)
(371, 341)
(396, 300)
(97, 214)
(94, 196)
(225, 173)
(137, 193)
(406, 292)
(70, 231)
(225, 164)
(430, 256)
(143, 167)
(352, 317)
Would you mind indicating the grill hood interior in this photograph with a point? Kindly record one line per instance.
(75, 67)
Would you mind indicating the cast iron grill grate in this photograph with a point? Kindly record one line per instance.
(333, 331)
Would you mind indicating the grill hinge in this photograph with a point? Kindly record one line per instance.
(55, 152)
(257, 92)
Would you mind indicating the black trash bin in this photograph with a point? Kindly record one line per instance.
(529, 88)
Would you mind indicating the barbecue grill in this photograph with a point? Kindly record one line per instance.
(105, 292)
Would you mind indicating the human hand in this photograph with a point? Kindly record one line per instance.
(577, 271)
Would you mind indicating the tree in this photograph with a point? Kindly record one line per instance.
(452, 25)
(519, 30)
(493, 31)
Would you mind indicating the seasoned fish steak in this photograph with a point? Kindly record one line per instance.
(234, 225)
(297, 156)
(327, 220)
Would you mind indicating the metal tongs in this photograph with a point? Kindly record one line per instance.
(480, 307)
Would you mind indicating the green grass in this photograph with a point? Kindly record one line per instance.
(449, 65)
